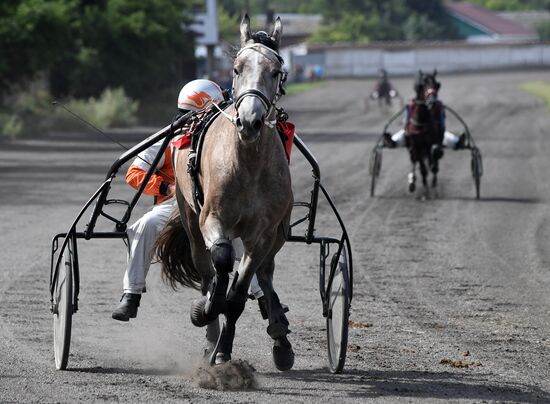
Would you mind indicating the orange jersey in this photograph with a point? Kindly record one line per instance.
(164, 174)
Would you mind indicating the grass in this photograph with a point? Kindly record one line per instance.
(296, 88)
(540, 89)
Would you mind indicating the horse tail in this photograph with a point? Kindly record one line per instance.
(173, 251)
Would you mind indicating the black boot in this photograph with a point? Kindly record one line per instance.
(388, 141)
(127, 308)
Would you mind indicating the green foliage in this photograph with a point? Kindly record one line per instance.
(539, 89)
(31, 33)
(297, 88)
(113, 108)
(33, 113)
(228, 25)
(543, 29)
(10, 125)
(139, 45)
(85, 46)
(512, 5)
(419, 27)
(376, 20)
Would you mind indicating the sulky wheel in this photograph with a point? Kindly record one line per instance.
(63, 307)
(375, 164)
(338, 295)
(477, 170)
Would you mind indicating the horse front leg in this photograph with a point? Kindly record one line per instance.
(201, 260)
(254, 257)
(411, 178)
(222, 258)
(423, 171)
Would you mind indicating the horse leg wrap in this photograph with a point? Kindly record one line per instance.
(223, 256)
(235, 306)
(217, 289)
(278, 323)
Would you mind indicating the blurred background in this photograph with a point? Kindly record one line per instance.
(121, 63)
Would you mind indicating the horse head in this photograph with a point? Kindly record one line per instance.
(258, 76)
(431, 88)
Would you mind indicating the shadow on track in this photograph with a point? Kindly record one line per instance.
(125, 371)
(494, 199)
(412, 384)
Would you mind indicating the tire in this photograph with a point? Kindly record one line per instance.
(375, 165)
(338, 295)
(477, 170)
(372, 184)
(63, 304)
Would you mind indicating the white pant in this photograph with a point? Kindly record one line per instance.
(142, 236)
(449, 139)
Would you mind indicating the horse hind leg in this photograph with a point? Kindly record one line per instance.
(411, 178)
(424, 173)
(278, 328)
(436, 155)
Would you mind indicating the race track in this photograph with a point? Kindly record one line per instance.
(442, 283)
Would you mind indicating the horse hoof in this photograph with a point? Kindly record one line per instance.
(222, 358)
(283, 355)
(208, 349)
(198, 318)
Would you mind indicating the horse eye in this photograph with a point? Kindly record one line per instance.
(235, 71)
(275, 74)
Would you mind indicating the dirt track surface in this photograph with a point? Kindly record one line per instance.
(435, 279)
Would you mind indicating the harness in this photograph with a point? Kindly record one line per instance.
(201, 124)
(269, 104)
(285, 132)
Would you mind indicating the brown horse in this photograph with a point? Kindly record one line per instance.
(425, 128)
(245, 179)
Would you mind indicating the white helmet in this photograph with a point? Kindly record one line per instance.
(199, 94)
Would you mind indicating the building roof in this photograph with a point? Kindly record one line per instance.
(488, 21)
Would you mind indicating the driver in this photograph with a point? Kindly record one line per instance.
(383, 87)
(194, 96)
(449, 140)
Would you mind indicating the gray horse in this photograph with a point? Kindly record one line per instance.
(245, 179)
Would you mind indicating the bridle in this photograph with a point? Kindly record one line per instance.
(268, 103)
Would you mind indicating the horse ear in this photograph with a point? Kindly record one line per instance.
(435, 72)
(277, 31)
(245, 30)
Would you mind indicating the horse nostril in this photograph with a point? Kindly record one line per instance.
(257, 125)
(239, 124)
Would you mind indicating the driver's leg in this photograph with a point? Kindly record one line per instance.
(141, 236)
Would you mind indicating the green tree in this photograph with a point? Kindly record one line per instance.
(543, 29)
(85, 46)
(139, 45)
(31, 34)
(513, 5)
(378, 20)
